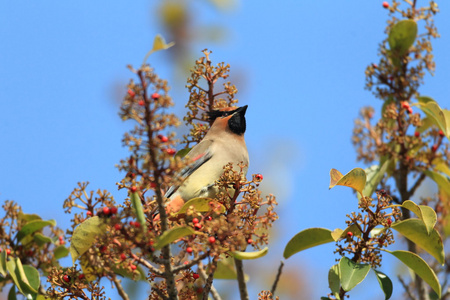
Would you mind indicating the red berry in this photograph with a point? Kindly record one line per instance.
(8, 251)
(113, 210)
(133, 267)
(106, 210)
(170, 151)
(259, 177)
(385, 4)
(62, 242)
(81, 276)
(195, 276)
(349, 234)
(212, 239)
(198, 226)
(66, 278)
(123, 256)
(434, 148)
(133, 189)
(389, 221)
(405, 104)
(141, 102)
(250, 241)
(117, 226)
(416, 134)
(374, 65)
(208, 218)
(155, 96)
(186, 262)
(102, 249)
(89, 213)
(131, 93)
(163, 138)
(189, 250)
(136, 224)
(410, 111)
(61, 238)
(194, 220)
(441, 133)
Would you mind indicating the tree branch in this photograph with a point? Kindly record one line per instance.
(241, 279)
(277, 278)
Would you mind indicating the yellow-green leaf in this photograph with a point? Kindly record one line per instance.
(420, 267)
(32, 227)
(226, 269)
(306, 239)
(339, 233)
(249, 255)
(355, 179)
(333, 280)
(441, 166)
(402, 36)
(60, 252)
(442, 181)
(158, 44)
(138, 209)
(84, 236)
(351, 273)
(415, 231)
(435, 113)
(374, 175)
(425, 213)
(202, 205)
(172, 235)
(41, 239)
(3, 263)
(183, 152)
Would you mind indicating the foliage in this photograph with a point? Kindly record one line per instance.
(406, 146)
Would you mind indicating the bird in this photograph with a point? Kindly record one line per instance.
(223, 143)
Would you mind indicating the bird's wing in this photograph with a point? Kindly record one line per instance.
(198, 155)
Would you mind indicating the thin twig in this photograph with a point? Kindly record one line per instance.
(147, 264)
(406, 287)
(120, 289)
(241, 279)
(277, 278)
(209, 288)
(190, 264)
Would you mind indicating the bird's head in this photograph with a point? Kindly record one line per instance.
(229, 118)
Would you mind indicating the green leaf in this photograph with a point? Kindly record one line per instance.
(41, 239)
(442, 181)
(12, 293)
(333, 280)
(306, 239)
(183, 152)
(172, 235)
(339, 233)
(402, 36)
(29, 217)
(202, 205)
(226, 269)
(424, 212)
(441, 166)
(60, 252)
(32, 227)
(419, 266)
(385, 284)
(137, 275)
(374, 175)
(249, 255)
(139, 210)
(31, 278)
(435, 113)
(415, 231)
(355, 179)
(24, 277)
(351, 273)
(3, 263)
(84, 236)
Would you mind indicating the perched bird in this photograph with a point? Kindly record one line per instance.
(222, 144)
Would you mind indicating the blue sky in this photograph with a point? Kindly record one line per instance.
(300, 68)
